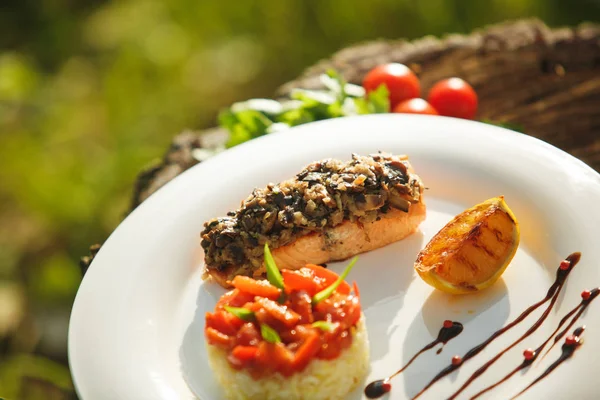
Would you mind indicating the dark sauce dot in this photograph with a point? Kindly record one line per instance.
(449, 332)
(579, 331)
(377, 389)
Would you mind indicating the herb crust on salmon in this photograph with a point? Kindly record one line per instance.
(330, 211)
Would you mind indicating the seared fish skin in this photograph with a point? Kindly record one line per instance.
(330, 211)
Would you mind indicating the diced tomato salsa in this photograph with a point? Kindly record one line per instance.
(291, 315)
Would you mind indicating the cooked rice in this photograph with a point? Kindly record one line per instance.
(320, 380)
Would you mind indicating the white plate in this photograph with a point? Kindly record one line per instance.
(137, 324)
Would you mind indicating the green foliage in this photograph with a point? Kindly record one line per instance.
(56, 280)
(18, 373)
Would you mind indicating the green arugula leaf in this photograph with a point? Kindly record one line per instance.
(257, 117)
(328, 291)
(227, 119)
(278, 126)
(244, 125)
(334, 82)
(269, 334)
(295, 117)
(507, 125)
(270, 108)
(241, 313)
(256, 121)
(311, 98)
(237, 135)
(338, 86)
(375, 102)
(353, 90)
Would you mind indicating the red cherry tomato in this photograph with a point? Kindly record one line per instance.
(400, 81)
(454, 98)
(415, 106)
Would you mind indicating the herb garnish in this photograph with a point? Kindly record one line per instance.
(269, 334)
(241, 313)
(328, 291)
(273, 275)
(323, 325)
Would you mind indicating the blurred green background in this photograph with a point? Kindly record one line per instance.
(92, 91)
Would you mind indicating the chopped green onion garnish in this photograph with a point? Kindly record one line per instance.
(328, 291)
(269, 334)
(241, 313)
(323, 325)
(273, 274)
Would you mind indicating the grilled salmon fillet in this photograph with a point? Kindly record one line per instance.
(330, 211)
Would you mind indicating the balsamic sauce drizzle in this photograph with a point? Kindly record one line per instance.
(551, 295)
(524, 364)
(568, 349)
(581, 307)
(585, 302)
(489, 363)
(449, 331)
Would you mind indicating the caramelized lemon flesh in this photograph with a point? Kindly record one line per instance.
(473, 250)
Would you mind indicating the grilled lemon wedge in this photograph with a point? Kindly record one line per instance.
(472, 251)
